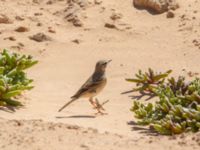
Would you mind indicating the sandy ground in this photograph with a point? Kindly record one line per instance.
(38, 135)
(139, 40)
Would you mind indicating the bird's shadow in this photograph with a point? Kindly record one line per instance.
(75, 116)
(142, 130)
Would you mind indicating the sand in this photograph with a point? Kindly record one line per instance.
(134, 39)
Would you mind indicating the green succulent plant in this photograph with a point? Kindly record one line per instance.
(147, 82)
(13, 79)
(176, 111)
(178, 87)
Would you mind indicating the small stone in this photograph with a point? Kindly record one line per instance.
(82, 3)
(40, 37)
(156, 6)
(22, 29)
(77, 23)
(84, 146)
(4, 19)
(97, 2)
(115, 16)
(49, 2)
(38, 14)
(195, 11)
(20, 44)
(72, 12)
(109, 25)
(11, 38)
(36, 1)
(170, 14)
(18, 123)
(19, 18)
(52, 31)
(77, 41)
(39, 24)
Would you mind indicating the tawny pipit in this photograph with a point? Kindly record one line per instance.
(92, 86)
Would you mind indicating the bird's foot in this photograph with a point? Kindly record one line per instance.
(99, 106)
(100, 113)
(93, 103)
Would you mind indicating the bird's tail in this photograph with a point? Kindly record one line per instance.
(68, 103)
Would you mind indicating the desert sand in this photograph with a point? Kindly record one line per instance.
(113, 29)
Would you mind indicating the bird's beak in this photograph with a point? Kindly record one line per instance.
(109, 61)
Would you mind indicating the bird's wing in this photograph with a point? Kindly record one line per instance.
(88, 86)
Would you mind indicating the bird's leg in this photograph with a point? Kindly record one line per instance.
(98, 105)
(100, 112)
(92, 102)
(101, 105)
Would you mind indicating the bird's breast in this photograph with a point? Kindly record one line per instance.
(99, 87)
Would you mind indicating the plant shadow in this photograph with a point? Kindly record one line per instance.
(141, 95)
(142, 130)
(9, 109)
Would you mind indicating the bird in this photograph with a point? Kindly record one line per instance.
(92, 87)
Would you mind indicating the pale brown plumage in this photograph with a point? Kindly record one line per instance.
(92, 86)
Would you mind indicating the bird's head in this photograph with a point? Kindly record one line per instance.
(101, 65)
